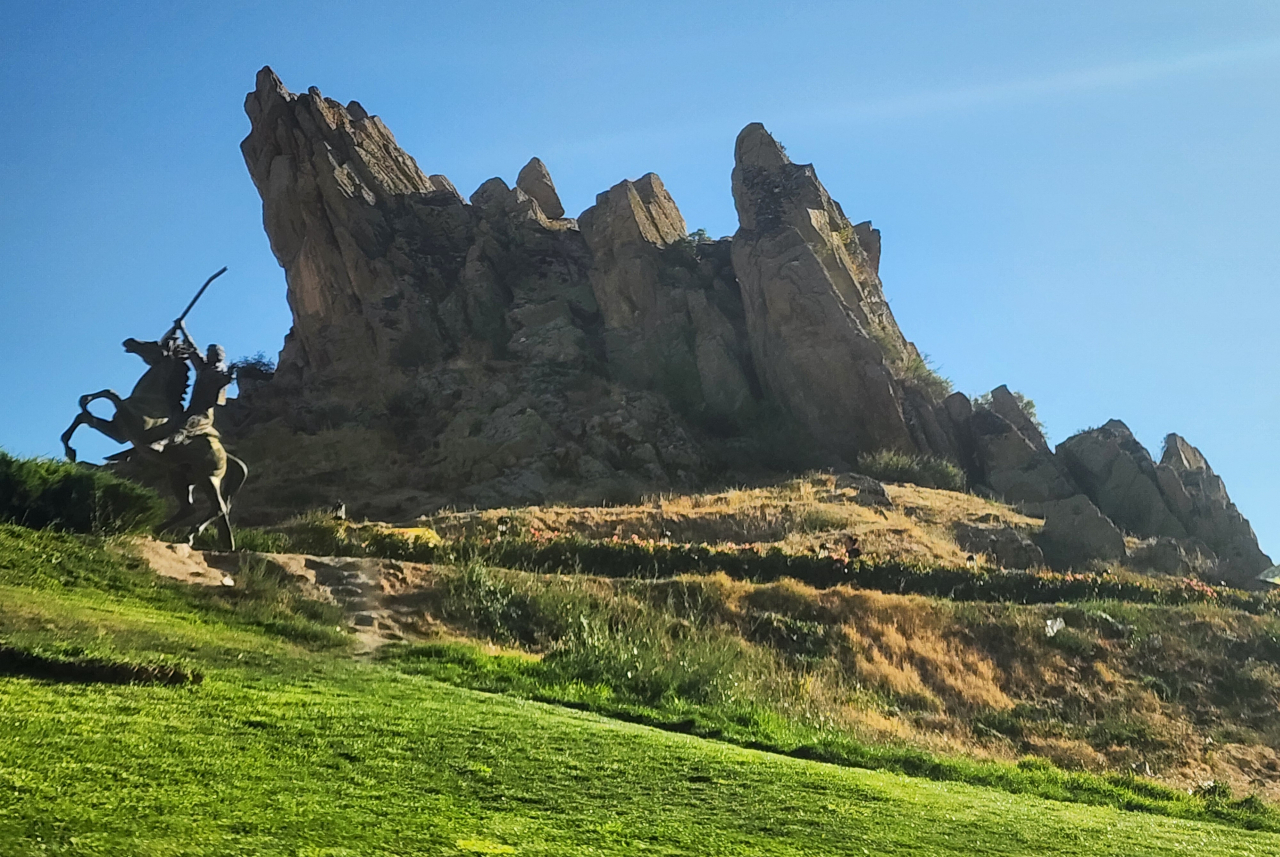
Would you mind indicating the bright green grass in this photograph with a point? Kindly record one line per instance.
(360, 761)
(289, 750)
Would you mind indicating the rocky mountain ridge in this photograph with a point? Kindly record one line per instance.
(491, 351)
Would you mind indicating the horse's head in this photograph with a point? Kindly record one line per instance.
(153, 353)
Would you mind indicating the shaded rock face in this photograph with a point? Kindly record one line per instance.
(1008, 547)
(343, 206)
(1075, 533)
(672, 311)
(1014, 467)
(823, 339)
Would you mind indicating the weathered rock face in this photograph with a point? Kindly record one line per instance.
(1118, 474)
(672, 312)
(1199, 499)
(1006, 546)
(824, 341)
(1075, 533)
(347, 212)
(458, 345)
(1013, 467)
(491, 351)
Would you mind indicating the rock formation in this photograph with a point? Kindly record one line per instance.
(1199, 499)
(824, 340)
(535, 180)
(1118, 473)
(1075, 533)
(491, 351)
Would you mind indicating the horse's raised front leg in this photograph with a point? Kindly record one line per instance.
(110, 395)
(84, 418)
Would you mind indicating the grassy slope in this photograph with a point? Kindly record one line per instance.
(285, 750)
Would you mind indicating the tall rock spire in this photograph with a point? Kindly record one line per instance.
(349, 215)
(824, 340)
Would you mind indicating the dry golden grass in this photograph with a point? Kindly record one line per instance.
(799, 515)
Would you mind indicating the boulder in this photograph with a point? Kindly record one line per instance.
(1076, 533)
(1119, 476)
(1007, 546)
(1013, 467)
(1198, 497)
(823, 339)
(1165, 555)
(535, 180)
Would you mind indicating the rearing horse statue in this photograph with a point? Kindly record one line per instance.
(154, 420)
(152, 411)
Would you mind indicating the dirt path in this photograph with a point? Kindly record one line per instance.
(371, 592)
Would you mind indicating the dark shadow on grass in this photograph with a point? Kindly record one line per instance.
(16, 662)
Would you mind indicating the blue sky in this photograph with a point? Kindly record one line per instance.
(1078, 200)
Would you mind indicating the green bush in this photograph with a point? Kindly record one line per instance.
(40, 493)
(1028, 406)
(920, 374)
(925, 470)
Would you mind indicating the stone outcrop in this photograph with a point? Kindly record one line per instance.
(672, 315)
(1199, 499)
(824, 341)
(1118, 474)
(1076, 533)
(343, 206)
(457, 343)
(535, 180)
(1006, 546)
(1012, 466)
(490, 350)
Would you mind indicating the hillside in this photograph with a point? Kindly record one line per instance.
(844, 607)
(288, 746)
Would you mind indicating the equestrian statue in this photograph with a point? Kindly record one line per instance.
(178, 437)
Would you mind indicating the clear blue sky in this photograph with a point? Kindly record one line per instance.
(1077, 199)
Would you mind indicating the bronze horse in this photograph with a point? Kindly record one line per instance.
(154, 404)
(151, 414)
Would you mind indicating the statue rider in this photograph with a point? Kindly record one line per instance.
(212, 377)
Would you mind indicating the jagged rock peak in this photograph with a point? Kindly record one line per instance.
(756, 147)
(535, 180)
(634, 210)
(349, 214)
(1181, 455)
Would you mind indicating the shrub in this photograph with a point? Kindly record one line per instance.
(258, 366)
(40, 493)
(1024, 402)
(920, 374)
(925, 470)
